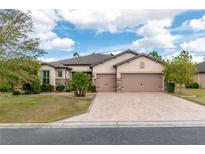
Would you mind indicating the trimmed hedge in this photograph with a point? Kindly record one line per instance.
(47, 88)
(60, 88)
(170, 87)
(193, 85)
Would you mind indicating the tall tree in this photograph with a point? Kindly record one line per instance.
(18, 49)
(180, 69)
(76, 55)
(155, 55)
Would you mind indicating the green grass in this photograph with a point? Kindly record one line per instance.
(195, 95)
(40, 108)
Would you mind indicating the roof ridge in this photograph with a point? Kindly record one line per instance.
(121, 53)
(134, 57)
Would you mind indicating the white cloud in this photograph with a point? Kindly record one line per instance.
(156, 35)
(195, 24)
(197, 45)
(113, 20)
(198, 59)
(44, 22)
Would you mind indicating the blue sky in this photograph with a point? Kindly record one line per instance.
(63, 32)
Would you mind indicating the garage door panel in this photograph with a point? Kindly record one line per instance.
(106, 82)
(141, 82)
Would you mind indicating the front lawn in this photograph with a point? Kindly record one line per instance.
(195, 95)
(40, 108)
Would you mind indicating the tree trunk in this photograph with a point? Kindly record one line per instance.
(180, 89)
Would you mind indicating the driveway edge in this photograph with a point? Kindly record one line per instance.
(105, 124)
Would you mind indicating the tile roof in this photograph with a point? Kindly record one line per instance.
(85, 60)
(200, 67)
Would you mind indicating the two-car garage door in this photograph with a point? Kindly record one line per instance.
(141, 82)
(135, 82)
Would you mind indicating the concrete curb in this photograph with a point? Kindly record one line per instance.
(105, 124)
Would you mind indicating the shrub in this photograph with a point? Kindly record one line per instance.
(60, 88)
(70, 88)
(171, 87)
(5, 87)
(16, 92)
(33, 87)
(27, 87)
(36, 87)
(93, 88)
(27, 92)
(193, 85)
(47, 88)
(81, 83)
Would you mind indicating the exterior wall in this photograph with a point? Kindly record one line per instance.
(64, 79)
(52, 74)
(133, 66)
(80, 68)
(54, 79)
(107, 66)
(201, 79)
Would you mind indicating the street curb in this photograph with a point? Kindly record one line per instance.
(115, 124)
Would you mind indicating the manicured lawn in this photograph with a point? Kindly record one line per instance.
(40, 108)
(195, 95)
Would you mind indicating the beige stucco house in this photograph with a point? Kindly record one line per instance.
(200, 74)
(127, 71)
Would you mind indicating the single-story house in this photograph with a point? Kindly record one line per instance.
(127, 71)
(200, 74)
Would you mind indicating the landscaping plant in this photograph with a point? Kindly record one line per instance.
(180, 69)
(60, 88)
(47, 88)
(193, 85)
(19, 50)
(81, 83)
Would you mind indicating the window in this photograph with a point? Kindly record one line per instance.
(60, 74)
(46, 77)
(142, 65)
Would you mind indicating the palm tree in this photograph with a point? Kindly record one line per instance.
(155, 55)
(76, 55)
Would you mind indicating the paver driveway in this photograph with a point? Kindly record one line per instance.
(140, 107)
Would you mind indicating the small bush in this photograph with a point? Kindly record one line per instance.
(60, 88)
(193, 85)
(27, 92)
(16, 92)
(81, 83)
(33, 87)
(69, 89)
(5, 87)
(36, 92)
(93, 88)
(47, 88)
(171, 87)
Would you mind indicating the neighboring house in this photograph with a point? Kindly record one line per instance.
(127, 71)
(200, 74)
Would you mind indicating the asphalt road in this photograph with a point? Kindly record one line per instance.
(102, 136)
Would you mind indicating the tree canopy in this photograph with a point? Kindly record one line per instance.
(155, 55)
(19, 50)
(180, 69)
(76, 55)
